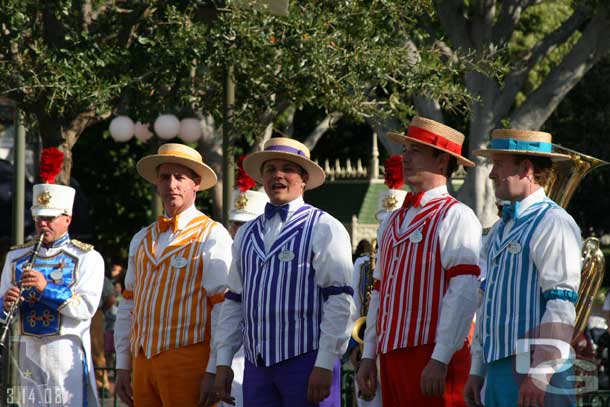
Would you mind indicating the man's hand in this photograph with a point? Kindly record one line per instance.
(354, 357)
(472, 391)
(531, 392)
(122, 385)
(320, 381)
(33, 278)
(10, 296)
(367, 379)
(222, 384)
(433, 378)
(207, 395)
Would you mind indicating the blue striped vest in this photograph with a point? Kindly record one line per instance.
(281, 303)
(514, 302)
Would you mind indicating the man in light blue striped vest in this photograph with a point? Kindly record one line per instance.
(290, 297)
(533, 274)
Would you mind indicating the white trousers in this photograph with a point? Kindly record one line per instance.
(51, 372)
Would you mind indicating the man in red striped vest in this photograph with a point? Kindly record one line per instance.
(426, 279)
(176, 276)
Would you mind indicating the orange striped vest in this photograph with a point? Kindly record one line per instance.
(170, 306)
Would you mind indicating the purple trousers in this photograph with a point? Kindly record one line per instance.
(285, 384)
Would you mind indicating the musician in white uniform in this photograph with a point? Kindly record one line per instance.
(60, 294)
(245, 206)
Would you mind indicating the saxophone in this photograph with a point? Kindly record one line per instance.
(563, 181)
(365, 289)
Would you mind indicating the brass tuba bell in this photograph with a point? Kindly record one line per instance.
(563, 181)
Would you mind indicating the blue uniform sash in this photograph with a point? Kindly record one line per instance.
(39, 314)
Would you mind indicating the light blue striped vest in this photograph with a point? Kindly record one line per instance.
(514, 302)
(281, 303)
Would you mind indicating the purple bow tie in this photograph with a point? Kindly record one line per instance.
(271, 210)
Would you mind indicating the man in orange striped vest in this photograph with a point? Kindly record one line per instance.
(176, 276)
(426, 280)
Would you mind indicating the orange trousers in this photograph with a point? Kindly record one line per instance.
(401, 370)
(171, 378)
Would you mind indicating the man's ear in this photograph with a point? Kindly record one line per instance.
(197, 181)
(443, 162)
(305, 177)
(526, 168)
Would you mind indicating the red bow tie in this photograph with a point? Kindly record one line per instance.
(413, 200)
(165, 223)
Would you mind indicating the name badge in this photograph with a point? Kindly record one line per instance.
(178, 262)
(286, 255)
(57, 276)
(416, 236)
(514, 247)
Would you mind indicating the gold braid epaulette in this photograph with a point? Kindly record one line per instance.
(21, 246)
(83, 246)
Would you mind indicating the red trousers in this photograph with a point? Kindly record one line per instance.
(401, 370)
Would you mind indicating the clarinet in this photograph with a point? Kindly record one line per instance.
(11, 312)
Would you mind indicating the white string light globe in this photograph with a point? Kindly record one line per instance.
(121, 128)
(142, 132)
(167, 126)
(190, 130)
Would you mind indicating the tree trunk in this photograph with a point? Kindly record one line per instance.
(495, 102)
(53, 133)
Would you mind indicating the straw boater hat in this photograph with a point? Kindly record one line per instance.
(173, 153)
(52, 200)
(522, 142)
(281, 148)
(434, 134)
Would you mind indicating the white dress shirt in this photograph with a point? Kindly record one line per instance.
(555, 248)
(333, 267)
(216, 258)
(460, 241)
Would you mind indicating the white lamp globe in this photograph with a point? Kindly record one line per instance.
(208, 131)
(190, 130)
(121, 128)
(142, 132)
(167, 126)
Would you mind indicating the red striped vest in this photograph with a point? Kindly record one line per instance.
(413, 281)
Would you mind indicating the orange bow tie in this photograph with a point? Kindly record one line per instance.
(165, 223)
(413, 200)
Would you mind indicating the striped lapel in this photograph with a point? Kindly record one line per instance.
(255, 232)
(186, 236)
(522, 223)
(290, 229)
(428, 211)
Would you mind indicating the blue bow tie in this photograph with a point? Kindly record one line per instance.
(510, 211)
(271, 210)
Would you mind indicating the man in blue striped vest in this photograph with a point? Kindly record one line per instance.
(290, 297)
(533, 274)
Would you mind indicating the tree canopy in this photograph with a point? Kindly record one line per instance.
(546, 47)
(70, 64)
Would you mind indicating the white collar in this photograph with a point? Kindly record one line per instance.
(433, 193)
(531, 199)
(186, 216)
